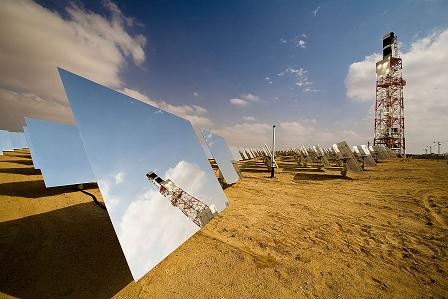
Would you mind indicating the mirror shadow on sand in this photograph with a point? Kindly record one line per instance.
(21, 170)
(22, 162)
(69, 252)
(36, 188)
(59, 248)
(319, 177)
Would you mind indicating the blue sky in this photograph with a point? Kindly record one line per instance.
(206, 53)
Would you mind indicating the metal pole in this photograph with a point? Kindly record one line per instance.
(273, 152)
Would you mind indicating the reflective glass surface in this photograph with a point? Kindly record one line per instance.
(59, 152)
(222, 155)
(134, 149)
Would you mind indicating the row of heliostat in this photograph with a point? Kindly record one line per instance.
(355, 158)
(250, 153)
(10, 141)
(152, 172)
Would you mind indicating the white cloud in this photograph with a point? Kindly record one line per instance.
(300, 76)
(316, 11)
(152, 228)
(14, 105)
(249, 118)
(301, 43)
(95, 46)
(250, 97)
(139, 96)
(199, 110)
(268, 79)
(182, 109)
(199, 121)
(85, 43)
(118, 16)
(194, 113)
(288, 134)
(360, 80)
(246, 133)
(187, 176)
(309, 89)
(425, 67)
(107, 186)
(238, 102)
(89, 44)
(119, 177)
(244, 100)
(196, 94)
(294, 126)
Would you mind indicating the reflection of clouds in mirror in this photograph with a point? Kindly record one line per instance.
(143, 230)
(187, 176)
(139, 138)
(119, 177)
(106, 187)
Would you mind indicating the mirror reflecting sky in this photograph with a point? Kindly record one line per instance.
(18, 140)
(235, 153)
(5, 141)
(222, 155)
(125, 139)
(59, 152)
(207, 151)
(30, 147)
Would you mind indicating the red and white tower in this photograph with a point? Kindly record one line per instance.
(193, 208)
(389, 105)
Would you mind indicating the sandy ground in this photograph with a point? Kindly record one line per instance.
(304, 234)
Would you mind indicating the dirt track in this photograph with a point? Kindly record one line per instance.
(380, 234)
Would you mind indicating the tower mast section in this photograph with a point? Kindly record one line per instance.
(389, 126)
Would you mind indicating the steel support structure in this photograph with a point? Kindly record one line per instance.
(389, 103)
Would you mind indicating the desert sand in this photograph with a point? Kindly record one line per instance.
(303, 234)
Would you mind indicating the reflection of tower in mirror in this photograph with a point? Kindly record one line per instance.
(193, 208)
